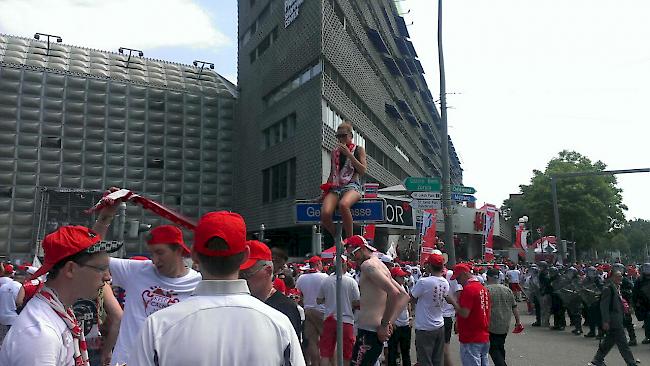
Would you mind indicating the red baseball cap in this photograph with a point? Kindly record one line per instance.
(435, 260)
(398, 272)
(139, 258)
(228, 226)
(8, 268)
(167, 234)
(259, 252)
(358, 241)
(70, 240)
(460, 268)
(314, 259)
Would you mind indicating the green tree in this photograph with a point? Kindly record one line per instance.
(590, 207)
(637, 235)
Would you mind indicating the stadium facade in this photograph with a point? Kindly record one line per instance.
(76, 120)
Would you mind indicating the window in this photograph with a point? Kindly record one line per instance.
(279, 131)
(155, 163)
(50, 141)
(293, 83)
(279, 181)
(264, 45)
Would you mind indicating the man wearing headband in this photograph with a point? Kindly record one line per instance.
(76, 263)
(221, 324)
(382, 299)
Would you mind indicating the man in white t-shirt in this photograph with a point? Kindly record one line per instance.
(46, 331)
(430, 293)
(513, 276)
(350, 301)
(11, 298)
(449, 313)
(151, 285)
(221, 323)
(309, 284)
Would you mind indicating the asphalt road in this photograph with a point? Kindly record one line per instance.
(537, 346)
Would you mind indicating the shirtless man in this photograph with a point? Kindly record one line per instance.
(382, 299)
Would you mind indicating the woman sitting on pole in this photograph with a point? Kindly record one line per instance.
(343, 187)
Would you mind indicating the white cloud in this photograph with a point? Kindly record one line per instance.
(109, 24)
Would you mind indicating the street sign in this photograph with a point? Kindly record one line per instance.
(364, 211)
(462, 189)
(463, 197)
(426, 204)
(426, 195)
(399, 215)
(429, 184)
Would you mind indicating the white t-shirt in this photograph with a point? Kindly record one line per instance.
(8, 294)
(309, 284)
(349, 293)
(513, 275)
(403, 317)
(146, 292)
(38, 337)
(448, 310)
(221, 325)
(430, 293)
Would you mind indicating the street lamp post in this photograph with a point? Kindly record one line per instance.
(37, 36)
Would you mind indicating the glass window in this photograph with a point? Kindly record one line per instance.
(275, 139)
(264, 45)
(283, 180)
(292, 177)
(284, 127)
(266, 182)
(275, 182)
(317, 69)
(304, 77)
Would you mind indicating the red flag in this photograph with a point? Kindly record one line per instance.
(489, 235)
(429, 239)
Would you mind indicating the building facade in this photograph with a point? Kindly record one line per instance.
(75, 121)
(303, 67)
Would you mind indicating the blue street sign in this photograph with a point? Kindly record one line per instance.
(364, 211)
(462, 197)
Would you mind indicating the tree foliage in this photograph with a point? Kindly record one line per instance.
(591, 207)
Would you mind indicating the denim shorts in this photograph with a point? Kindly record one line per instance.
(474, 354)
(352, 186)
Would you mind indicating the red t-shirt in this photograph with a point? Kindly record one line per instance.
(474, 328)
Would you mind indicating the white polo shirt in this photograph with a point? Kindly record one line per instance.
(146, 292)
(222, 324)
(349, 293)
(309, 284)
(8, 294)
(513, 275)
(38, 337)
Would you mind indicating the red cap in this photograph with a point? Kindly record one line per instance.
(435, 260)
(167, 234)
(229, 226)
(8, 268)
(460, 268)
(295, 292)
(358, 241)
(70, 240)
(259, 252)
(314, 259)
(398, 272)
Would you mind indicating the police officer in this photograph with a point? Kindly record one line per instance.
(627, 286)
(574, 308)
(557, 307)
(532, 283)
(641, 300)
(545, 290)
(592, 309)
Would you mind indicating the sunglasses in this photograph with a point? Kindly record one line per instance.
(341, 135)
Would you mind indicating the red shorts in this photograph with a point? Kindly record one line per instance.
(515, 287)
(328, 339)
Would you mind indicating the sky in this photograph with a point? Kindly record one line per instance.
(525, 78)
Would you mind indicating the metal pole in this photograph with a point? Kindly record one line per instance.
(446, 179)
(556, 215)
(121, 212)
(262, 227)
(339, 295)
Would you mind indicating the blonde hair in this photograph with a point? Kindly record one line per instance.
(347, 125)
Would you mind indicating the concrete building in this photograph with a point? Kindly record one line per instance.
(304, 66)
(76, 120)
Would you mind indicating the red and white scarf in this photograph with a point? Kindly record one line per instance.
(341, 176)
(67, 315)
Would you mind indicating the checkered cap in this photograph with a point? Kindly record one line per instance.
(105, 246)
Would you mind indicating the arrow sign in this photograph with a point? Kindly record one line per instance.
(426, 204)
(462, 189)
(463, 197)
(426, 195)
(429, 184)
